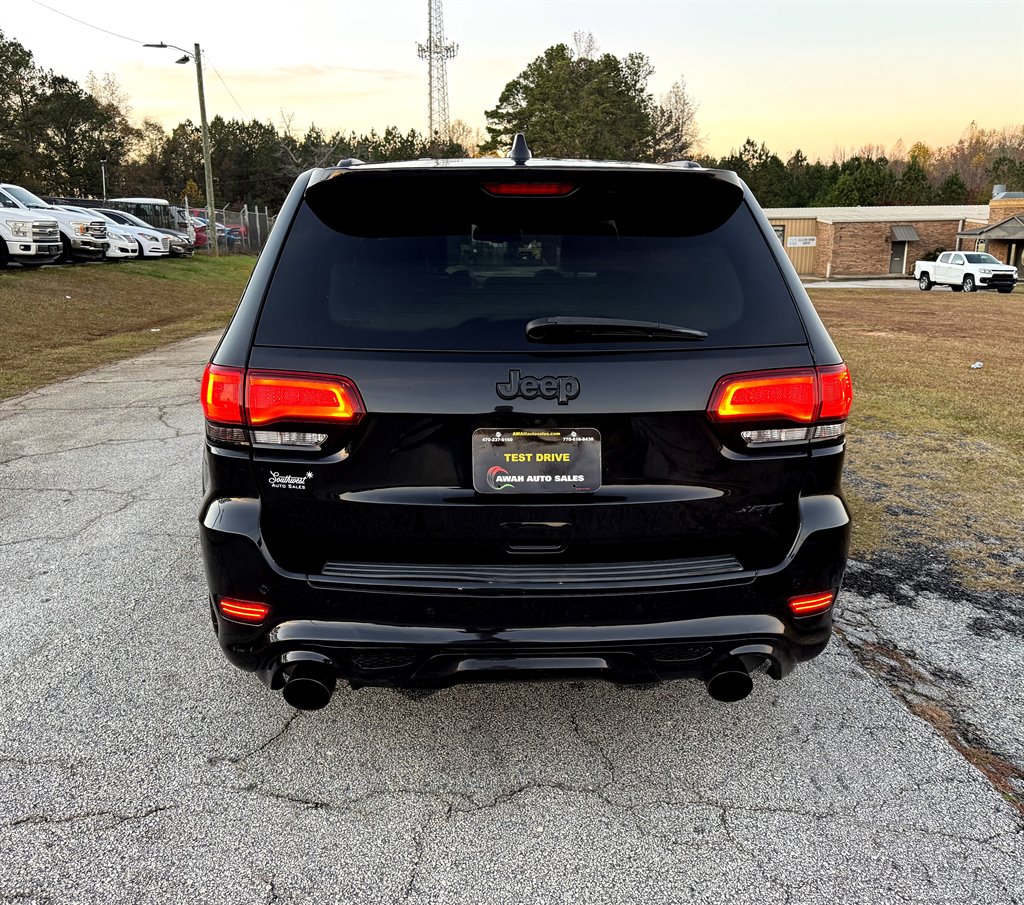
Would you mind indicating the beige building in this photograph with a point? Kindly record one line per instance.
(860, 241)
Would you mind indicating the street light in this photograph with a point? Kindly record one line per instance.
(211, 214)
(103, 173)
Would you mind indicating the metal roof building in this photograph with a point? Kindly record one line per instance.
(922, 212)
(863, 241)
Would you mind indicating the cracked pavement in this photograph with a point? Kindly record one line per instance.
(136, 765)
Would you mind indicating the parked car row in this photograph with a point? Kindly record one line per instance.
(227, 236)
(33, 233)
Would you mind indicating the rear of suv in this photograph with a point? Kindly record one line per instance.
(517, 419)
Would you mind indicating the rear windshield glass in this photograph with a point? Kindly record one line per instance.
(476, 284)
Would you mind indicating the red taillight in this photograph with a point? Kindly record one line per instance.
(836, 393)
(278, 396)
(765, 395)
(520, 189)
(221, 394)
(810, 604)
(803, 395)
(249, 611)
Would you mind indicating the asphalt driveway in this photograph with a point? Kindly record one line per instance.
(136, 765)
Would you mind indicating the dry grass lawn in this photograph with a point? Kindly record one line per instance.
(936, 451)
(61, 321)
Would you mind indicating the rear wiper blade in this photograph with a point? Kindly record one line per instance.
(581, 329)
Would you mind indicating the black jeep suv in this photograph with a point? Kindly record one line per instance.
(522, 418)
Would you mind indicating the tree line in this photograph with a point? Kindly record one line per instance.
(571, 101)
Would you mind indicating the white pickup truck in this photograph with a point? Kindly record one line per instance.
(966, 271)
(82, 238)
(26, 238)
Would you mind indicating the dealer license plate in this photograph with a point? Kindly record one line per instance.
(537, 461)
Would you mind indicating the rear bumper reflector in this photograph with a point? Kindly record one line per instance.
(249, 611)
(811, 604)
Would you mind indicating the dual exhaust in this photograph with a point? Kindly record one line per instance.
(307, 680)
(730, 681)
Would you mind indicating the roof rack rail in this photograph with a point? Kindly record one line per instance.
(685, 164)
(350, 162)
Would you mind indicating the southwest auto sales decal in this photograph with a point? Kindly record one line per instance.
(288, 481)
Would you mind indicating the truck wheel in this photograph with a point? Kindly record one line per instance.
(3, 255)
(969, 284)
(1005, 290)
(956, 287)
(65, 254)
(924, 283)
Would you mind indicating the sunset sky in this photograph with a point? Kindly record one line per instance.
(818, 76)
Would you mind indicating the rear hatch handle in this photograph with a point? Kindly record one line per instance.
(536, 537)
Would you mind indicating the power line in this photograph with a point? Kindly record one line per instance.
(86, 24)
(228, 90)
(114, 34)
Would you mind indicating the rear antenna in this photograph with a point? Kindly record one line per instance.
(520, 153)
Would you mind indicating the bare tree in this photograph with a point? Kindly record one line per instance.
(674, 121)
(584, 45)
(314, 149)
(465, 136)
(108, 91)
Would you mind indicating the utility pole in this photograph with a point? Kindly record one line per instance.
(437, 54)
(211, 211)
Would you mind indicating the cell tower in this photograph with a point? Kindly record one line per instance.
(437, 54)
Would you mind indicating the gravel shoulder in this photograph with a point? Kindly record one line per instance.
(137, 765)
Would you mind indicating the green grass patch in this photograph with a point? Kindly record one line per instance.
(61, 321)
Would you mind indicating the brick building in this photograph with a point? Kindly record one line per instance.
(860, 241)
(1003, 234)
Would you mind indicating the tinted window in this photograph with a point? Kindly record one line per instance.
(981, 259)
(478, 288)
(117, 217)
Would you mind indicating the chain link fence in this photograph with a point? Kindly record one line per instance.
(240, 230)
(245, 230)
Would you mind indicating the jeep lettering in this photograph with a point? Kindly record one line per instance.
(561, 388)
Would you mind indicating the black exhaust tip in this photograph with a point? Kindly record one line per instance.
(308, 686)
(729, 682)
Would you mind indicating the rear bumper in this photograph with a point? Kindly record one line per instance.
(677, 623)
(424, 657)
